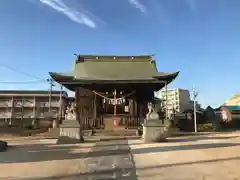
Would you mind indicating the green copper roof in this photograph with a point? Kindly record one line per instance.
(119, 68)
(111, 68)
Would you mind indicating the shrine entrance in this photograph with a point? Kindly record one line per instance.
(111, 109)
(113, 91)
(116, 108)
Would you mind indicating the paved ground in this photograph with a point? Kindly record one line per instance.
(209, 157)
(42, 159)
(110, 160)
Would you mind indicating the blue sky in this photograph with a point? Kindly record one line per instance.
(201, 38)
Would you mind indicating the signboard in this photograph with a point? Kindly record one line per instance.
(126, 109)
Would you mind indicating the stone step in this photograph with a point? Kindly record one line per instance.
(70, 123)
(120, 132)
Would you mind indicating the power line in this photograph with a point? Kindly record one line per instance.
(21, 72)
(23, 82)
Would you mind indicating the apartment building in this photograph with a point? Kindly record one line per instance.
(18, 107)
(178, 99)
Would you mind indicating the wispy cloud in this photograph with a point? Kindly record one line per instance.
(138, 5)
(75, 15)
(192, 4)
(160, 12)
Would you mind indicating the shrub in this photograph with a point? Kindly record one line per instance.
(29, 127)
(208, 127)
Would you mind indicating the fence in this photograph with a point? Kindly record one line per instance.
(91, 123)
(128, 122)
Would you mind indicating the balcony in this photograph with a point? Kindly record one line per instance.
(18, 103)
(5, 115)
(55, 104)
(46, 104)
(6, 103)
(42, 104)
(28, 103)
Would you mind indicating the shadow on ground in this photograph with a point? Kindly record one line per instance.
(182, 147)
(200, 138)
(46, 152)
(158, 167)
(183, 139)
(99, 173)
(90, 175)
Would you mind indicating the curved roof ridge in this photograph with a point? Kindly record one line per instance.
(106, 58)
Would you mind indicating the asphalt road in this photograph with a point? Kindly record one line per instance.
(110, 159)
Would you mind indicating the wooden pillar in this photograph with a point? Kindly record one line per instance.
(93, 120)
(140, 109)
(79, 113)
(136, 113)
(94, 106)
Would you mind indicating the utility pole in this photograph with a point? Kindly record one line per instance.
(60, 106)
(50, 93)
(195, 94)
(166, 101)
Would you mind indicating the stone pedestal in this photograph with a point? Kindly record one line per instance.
(154, 129)
(70, 132)
(154, 132)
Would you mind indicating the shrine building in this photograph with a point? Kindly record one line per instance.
(113, 91)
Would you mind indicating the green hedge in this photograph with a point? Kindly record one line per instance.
(208, 127)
